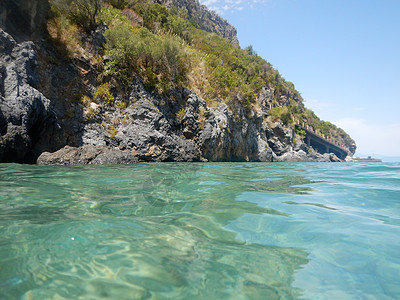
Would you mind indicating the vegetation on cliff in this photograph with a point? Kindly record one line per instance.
(166, 49)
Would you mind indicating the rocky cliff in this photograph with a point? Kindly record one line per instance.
(41, 119)
(27, 122)
(207, 20)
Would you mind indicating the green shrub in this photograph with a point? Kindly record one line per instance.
(81, 12)
(159, 60)
(301, 133)
(178, 26)
(85, 100)
(281, 113)
(111, 16)
(180, 115)
(103, 94)
(120, 4)
(154, 16)
(112, 131)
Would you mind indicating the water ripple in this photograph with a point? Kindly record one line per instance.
(196, 231)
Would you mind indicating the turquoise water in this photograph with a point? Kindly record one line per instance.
(200, 231)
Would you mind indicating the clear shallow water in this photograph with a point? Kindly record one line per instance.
(200, 231)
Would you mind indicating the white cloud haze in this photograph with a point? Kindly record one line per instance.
(221, 6)
(372, 138)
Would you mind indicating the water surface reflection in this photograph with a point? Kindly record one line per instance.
(141, 231)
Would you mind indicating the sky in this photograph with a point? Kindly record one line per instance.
(343, 56)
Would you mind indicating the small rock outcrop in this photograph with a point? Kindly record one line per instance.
(88, 154)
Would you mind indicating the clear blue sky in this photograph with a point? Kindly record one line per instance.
(342, 56)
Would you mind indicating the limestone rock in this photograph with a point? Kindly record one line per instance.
(206, 19)
(302, 156)
(279, 138)
(292, 156)
(27, 122)
(87, 154)
(147, 128)
(24, 19)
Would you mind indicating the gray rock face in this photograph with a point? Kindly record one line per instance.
(279, 138)
(301, 155)
(26, 119)
(147, 128)
(207, 20)
(155, 128)
(23, 19)
(229, 138)
(89, 154)
(211, 22)
(97, 38)
(140, 126)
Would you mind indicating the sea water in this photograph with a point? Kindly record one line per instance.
(200, 231)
